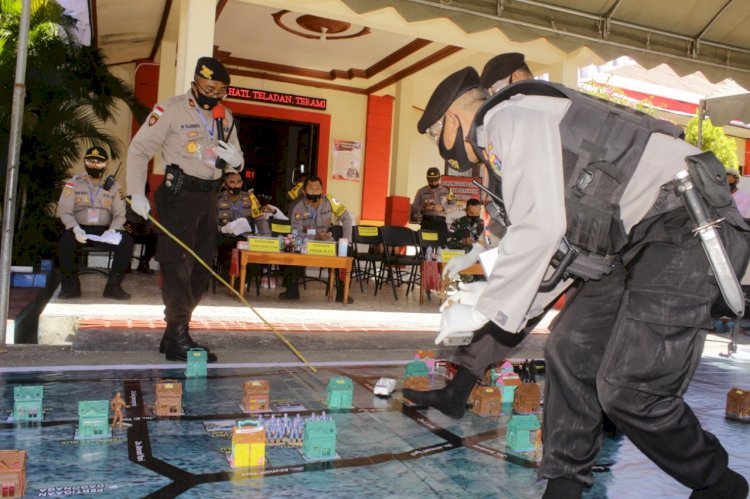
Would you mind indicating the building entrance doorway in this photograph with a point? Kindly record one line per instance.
(277, 153)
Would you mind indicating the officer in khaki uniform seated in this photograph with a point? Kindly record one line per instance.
(88, 207)
(197, 149)
(313, 218)
(431, 203)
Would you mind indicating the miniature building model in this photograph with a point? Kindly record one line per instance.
(168, 399)
(416, 368)
(738, 404)
(486, 401)
(527, 399)
(417, 383)
(339, 393)
(248, 444)
(320, 439)
(12, 473)
(93, 418)
(256, 395)
(197, 363)
(428, 357)
(524, 433)
(508, 384)
(27, 403)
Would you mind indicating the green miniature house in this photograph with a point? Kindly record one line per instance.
(27, 403)
(319, 439)
(524, 433)
(416, 367)
(339, 393)
(93, 418)
(197, 363)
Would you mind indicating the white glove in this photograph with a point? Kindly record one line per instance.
(229, 153)
(227, 229)
(80, 234)
(459, 263)
(458, 323)
(140, 205)
(468, 294)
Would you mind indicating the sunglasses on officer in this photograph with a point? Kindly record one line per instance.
(211, 92)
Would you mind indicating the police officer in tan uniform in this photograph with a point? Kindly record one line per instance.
(190, 140)
(314, 218)
(431, 203)
(88, 208)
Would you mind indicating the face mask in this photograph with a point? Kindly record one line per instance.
(732, 186)
(456, 156)
(206, 102)
(434, 186)
(94, 172)
(234, 191)
(472, 219)
(314, 198)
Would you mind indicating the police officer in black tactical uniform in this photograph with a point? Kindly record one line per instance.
(197, 150)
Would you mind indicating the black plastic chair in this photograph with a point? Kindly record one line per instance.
(373, 257)
(396, 244)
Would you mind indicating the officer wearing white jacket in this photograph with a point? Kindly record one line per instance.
(631, 333)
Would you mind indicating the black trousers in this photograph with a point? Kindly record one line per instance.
(67, 245)
(191, 217)
(628, 345)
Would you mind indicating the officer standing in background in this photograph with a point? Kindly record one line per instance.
(184, 130)
(431, 202)
(87, 207)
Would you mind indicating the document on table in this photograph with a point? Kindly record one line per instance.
(109, 238)
(240, 226)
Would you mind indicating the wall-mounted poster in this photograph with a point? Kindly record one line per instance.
(347, 160)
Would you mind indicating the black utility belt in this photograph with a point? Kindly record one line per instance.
(175, 180)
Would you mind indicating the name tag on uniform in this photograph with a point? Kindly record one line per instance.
(312, 231)
(92, 216)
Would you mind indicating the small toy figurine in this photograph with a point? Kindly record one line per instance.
(117, 404)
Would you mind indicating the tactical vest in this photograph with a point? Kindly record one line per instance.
(602, 145)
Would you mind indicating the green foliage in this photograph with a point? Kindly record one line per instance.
(70, 93)
(613, 94)
(713, 139)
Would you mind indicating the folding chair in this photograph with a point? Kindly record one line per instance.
(397, 243)
(370, 236)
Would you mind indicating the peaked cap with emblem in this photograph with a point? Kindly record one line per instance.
(211, 69)
(433, 173)
(450, 89)
(500, 67)
(96, 152)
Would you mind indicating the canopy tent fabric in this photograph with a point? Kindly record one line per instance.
(710, 36)
(723, 110)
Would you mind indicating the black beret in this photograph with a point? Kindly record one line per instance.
(96, 152)
(433, 173)
(450, 89)
(500, 67)
(211, 69)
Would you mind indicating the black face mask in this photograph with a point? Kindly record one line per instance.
(94, 172)
(314, 198)
(206, 102)
(456, 156)
(472, 219)
(732, 186)
(234, 191)
(434, 186)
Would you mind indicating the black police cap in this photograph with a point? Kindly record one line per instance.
(211, 69)
(433, 173)
(500, 67)
(450, 89)
(96, 152)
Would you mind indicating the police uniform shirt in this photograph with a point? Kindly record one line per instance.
(521, 138)
(187, 137)
(304, 216)
(441, 195)
(84, 203)
(245, 206)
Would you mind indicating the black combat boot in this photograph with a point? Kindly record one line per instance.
(562, 488)
(179, 343)
(340, 296)
(292, 290)
(731, 485)
(113, 289)
(450, 400)
(169, 333)
(70, 287)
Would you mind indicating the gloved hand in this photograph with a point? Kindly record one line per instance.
(459, 263)
(229, 153)
(80, 234)
(468, 294)
(140, 205)
(458, 323)
(109, 232)
(227, 229)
